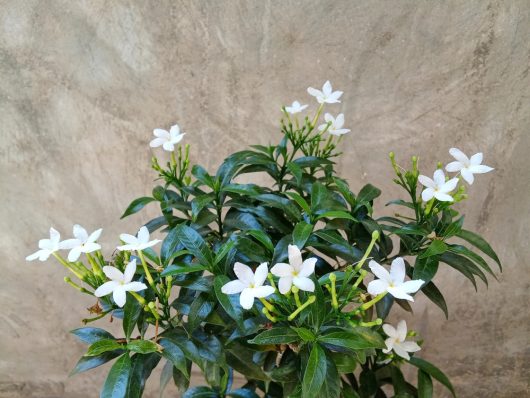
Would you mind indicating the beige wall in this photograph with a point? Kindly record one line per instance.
(83, 84)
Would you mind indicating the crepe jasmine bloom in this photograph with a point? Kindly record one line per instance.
(296, 273)
(438, 187)
(167, 139)
(393, 282)
(295, 107)
(119, 283)
(249, 284)
(49, 246)
(85, 243)
(327, 95)
(335, 128)
(139, 242)
(396, 340)
(467, 166)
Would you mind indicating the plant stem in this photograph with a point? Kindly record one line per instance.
(309, 301)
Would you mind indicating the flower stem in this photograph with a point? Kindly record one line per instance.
(295, 290)
(319, 111)
(139, 298)
(269, 316)
(370, 303)
(96, 269)
(76, 286)
(271, 281)
(266, 304)
(146, 271)
(334, 302)
(377, 322)
(375, 236)
(69, 266)
(152, 308)
(362, 275)
(309, 301)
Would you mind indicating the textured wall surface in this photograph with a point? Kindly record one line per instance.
(84, 83)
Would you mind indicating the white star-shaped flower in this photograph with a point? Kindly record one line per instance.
(336, 124)
(85, 243)
(119, 283)
(438, 187)
(393, 282)
(49, 246)
(396, 340)
(296, 273)
(295, 107)
(467, 166)
(326, 95)
(168, 139)
(249, 284)
(139, 242)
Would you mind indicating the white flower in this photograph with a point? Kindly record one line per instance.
(295, 107)
(167, 139)
(437, 188)
(396, 340)
(467, 166)
(140, 242)
(296, 273)
(49, 246)
(119, 283)
(249, 284)
(393, 282)
(85, 243)
(326, 95)
(336, 124)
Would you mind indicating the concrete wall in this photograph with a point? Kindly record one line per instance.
(84, 83)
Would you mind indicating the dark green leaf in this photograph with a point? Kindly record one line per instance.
(200, 392)
(479, 243)
(194, 243)
(436, 247)
(368, 193)
(425, 389)
(431, 291)
(301, 233)
(277, 335)
(336, 214)
(314, 373)
(87, 363)
(141, 368)
(131, 313)
(175, 355)
(296, 171)
(263, 238)
(137, 205)
(433, 371)
(142, 346)
(91, 335)
(357, 339)
(176, 269)
(425, 268)
(101, 346)
(116, 383)
(305, 334)
(301, 201)
(312, 161)
(345, 362)
(230, 303)
(199, 310)
(471, 255)
(242, 393)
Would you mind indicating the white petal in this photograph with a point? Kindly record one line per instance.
(106, 288)
(54, 235)
(328, 117)
(144, 246)
(302, 108)
(401, 352)
(480, 169)
(244, 273)
(412, 286)
(246, 299)
(454, 167)
(426, 181)
(476, 159)
(113, 273)
(90, 247)
(129, 239)
(157, 142)
(233, 287)
(339, 131)
(130, 269)
(261, 274)
(397, 270)
(322, 127)
(263, 291)
(377, 287)
(168, 146)
(443, 197)
(304, 283)
(390, 330)
(178, 138)
(134, 286)
(379, 271)
(467, 175)
(68, 244)
(334, 97)
(439, 177)
(459, 155)
(34, 256)
(127, 247)
(427, 194)
(161, 133)
(119, 296)
(314, 92)
(295, 256)
(74, 254)
(410, 346)
(389, 345)
(402, 330)
(285, 284)
(397, 292)
(80, 233)
(326, 88)
(308, 267)
(143, 235)
(449, 185)
(174, 130)
(339, 121)
(94, 236)
(46, 244)
(282, 269)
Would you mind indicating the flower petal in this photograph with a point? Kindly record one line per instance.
(157, 142)
(400, 351)
(244, 273)
(174, 130)
(55, 236)
(443, 197)
(427, 194)
(74, 254)
(401, 330)
(106, 288)
(467, 175)
(314, 92)
(459, 155)
(168, 146)
(426, 181)
(90, 247)
(308, 267)
(334, 97)
(390, 331)
(134, 286)
(68, 244)
(113, 273)
(377, 287)
(285, 284)
(476, 159)
(439, 177)
(379, 271)
(304, 283)
(450, 185)
(480, 169)
(80, 233)
(246, 299)
(261, 274)
(454, 167)
(339, 121)
(389, 345)
(34, 256)
(412, 286)
(397, 270)
(233, 287)
(119, 296)
(397, 292)
(143, 235)
(129, 239)
(161, 133)
(263, 291)
(94, 236)
(282, 269)
(130, 269)
(295, 257)
(410, 346)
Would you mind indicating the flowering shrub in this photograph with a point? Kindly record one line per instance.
(287, 285)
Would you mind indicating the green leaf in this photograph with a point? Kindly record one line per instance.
(301, 201)
(436, 247)
(277, 335)
(425, 268)
(400, 202)
(91, 335)
(101, 346)
(301, 233)
(200, 202)
(86, 363)
(305, 334)
(118, 378)
(223, 251)
(319, 194)
(314, 373)
(137, 205)
(465, 266)
(336, 214)
(331, 386)
(368, 193)
(142, 346)
(433, 371)
(279, 202)
(176, 269)
(473, 256)
(200, 392)
(141, 368)
(296, 171)
(243, 189)
(230, 303)
(199, 310)
(175, 355)
(431, 291)
(345, 362)
(240, 359)
(131, 313)
(263, 238)
(425, 389)
(202, 175)
(312, 161)
(194, 243)
(357, 339)
(242, 393)
(479, 243)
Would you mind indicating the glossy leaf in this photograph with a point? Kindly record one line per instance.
(479, 243)
(314, 373)
(277, 335)
(433, 371)
(356, 339)
(137, 205)
(118, 378)
(101, 346)
(142, 346)
(90, 335)
(301, 233)
(425, 388)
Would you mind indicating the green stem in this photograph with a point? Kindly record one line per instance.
(146, 271)
(309, 301)
(266, 304)
(375, 236)
(77, 287)
(334, 302)
(295, 290)
(70, 266)
(370, 303)
(139, 298)
(96, 269)
(319, 111)
(269, 316)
